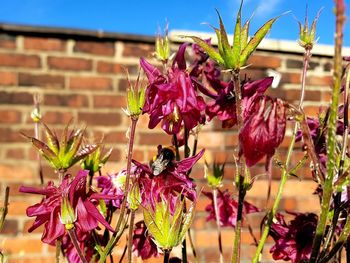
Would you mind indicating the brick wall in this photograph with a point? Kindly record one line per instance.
(79, 75)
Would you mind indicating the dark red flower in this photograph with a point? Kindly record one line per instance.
(171, 98)
(142, 243)
(48, 211)
(171, 182)
(86, 245)
(227, 208)
(293, 241)
(263, 130)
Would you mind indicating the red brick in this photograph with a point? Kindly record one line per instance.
(91, 83)
(260, 61)
(16, 98)
(7, 41)
(45, 44)
(154, 139)
(294, 95)
(28, 224)
(289, 77)
(109, 101)
(319, 81)
(97, 48)
(73, 100)
(17, 154)
(97, 119)
(16, 172)
(8, 78)
(108, 67)
(18, 207)
(17, 245)
(68, 63)
(137, 50)
(10, 116)
(10, 227)
(12, 135)
(19, 60)
(114, 137)
(54, 117)
(41, 80)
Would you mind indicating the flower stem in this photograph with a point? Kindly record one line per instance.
(75, 242)
(272, 213)
(116, 235)
(217, 217)
(331, 142)
(58, 250)
(166, 255)
(131, 229)
(37, 136)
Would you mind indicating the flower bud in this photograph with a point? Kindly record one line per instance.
(35, 115)
(135, 100)
(215, 175)
(162, 52)
(307, 35)
(68, 216)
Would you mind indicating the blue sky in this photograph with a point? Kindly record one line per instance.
(144, 17)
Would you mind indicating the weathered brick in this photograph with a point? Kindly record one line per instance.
(109, 101)
(55, 117)
(18, 207)
(71, 100)
(16, 245)
(19, 60)
(16, 98)
(69, 63)
(7, 41)
(97, 48)
(8, 78)
(41, 80)
(298, 64)
(294, 94)
(18, 172)
(92, 119)
(91, 83)
(108, 67)
(10, 116)
(154, 139)
(260, 61)
(44, 44)
(13, 135)
(17, 154)
(137, 50)
(10, 227)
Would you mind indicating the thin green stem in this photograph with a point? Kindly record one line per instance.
(278, 198)
(36, 99)
(131, 229)
(331, 136)
(58, 250)
(118, 230)
(217, 217)
(74, 239)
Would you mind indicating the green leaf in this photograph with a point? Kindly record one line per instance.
(313, 26)
(245, 34)
(150, 223)
(227, 53)
(208, 49)
(52, 140)
(236, 49)
(187, 222)
(63, 142)
(85, 151)
(255, 40)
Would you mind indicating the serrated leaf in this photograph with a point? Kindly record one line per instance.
(43, 148)
(187, 222)
(236, 49)
(255, 40)
(63, 142)
(150, 223)
(208, 49)
(227, 53)
(313, 26)
(73, 146)
(51, 139)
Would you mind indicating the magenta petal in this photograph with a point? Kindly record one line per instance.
(93, 212)
(187, 164)
(85, 220)
(180, 57)
(53, 228)
(151, 71)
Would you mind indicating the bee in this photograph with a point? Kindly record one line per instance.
(162, 160)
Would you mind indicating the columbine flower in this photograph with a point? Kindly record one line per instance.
(86, 245)
(172, 99)
(293, 240)
(113, 186)
(263, 131)
(227, 208)
(170, 182)
(48, 211)
(143, 245)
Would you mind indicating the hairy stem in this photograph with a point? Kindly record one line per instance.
(331, 142)
(131, 229)
(116, 235)
(74, 239)
(166, 256)
(58, 250)
(217, 217)
(37, 136)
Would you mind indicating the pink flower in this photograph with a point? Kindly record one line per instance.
(263, 130)
(293, 241)
(227, 208)
(143, 245)
(48, 211)
(171, 98)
